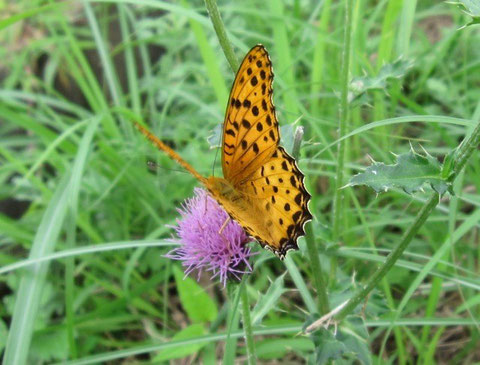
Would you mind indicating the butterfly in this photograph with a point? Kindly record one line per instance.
(262, 187)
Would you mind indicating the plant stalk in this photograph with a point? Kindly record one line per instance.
(247, 325)
(219, 27)
(343, 120)
(318, 280)
(466, 150)
(233, 297)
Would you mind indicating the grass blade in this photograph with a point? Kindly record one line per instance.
(30, 291)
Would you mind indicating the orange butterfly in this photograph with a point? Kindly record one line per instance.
(262, 188)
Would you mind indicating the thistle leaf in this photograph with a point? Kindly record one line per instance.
(360, 85)
(348, 345)
(411, 172)
(469, 7)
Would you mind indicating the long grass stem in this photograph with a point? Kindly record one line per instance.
(318, 280)
(219, 27)
(217, 22)
(247, 325)
(343, 120)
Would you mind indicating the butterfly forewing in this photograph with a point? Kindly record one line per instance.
(271, 201)
(250, 134)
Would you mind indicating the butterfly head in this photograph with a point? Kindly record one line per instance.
(220, 188)
(227, 196)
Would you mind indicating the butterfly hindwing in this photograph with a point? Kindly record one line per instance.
(250, 133)
(278, 189)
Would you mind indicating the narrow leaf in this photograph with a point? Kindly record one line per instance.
(3, 335)
(268, 301)
(193, 331)
(196, 302)
(33, 281)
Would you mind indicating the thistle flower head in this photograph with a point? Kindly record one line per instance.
(202, 247)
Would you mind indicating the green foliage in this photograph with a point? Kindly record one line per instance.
(3, 335)
(268, 302)
(410, 173)
(190, 332)
(360, 85)
(196, 302)
(448, 166)
(347, 342)
(50, 346)
(469, 7)
(278, 348)
(414, 76)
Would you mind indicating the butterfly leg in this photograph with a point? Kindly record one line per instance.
(364, 307)
(224, 225)
(220, 232)
(205, 204)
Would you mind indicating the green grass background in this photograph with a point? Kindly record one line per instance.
(75, 180)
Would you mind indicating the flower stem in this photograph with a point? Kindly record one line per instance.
(233, 296)
(343, 120)
(219, 27)
(464, 153)
(318, 280)
(465, 150)
(247, 325)
(313, 255)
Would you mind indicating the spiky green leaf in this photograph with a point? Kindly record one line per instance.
(360, 85)
(411, 172)
(469, 7)
(348, 343)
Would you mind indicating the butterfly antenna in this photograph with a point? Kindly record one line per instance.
(153, 166)
(215, 159)
(171, 153)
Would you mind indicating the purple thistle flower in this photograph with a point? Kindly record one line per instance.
(201, 245)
